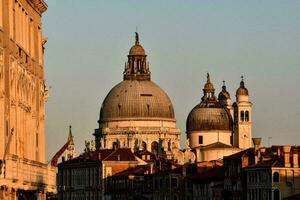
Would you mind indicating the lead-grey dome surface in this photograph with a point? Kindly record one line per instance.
(208, 116)
(136, 100)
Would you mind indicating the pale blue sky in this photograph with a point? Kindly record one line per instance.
(88, 43)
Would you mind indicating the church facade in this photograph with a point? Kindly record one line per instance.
(137, 113)
(24, 173)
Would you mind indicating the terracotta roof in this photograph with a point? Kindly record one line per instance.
(217, 145)
(121, 154)
(274, 162)
(213, 174)
(137, 171)
(240, 154)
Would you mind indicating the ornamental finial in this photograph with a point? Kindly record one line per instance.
(208, 78)
(137, 38)
(242, 83)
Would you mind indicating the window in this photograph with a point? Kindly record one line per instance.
(32, 41)
(276, 194)
(115, 145)
(276, 177)
(174, 182)
(1, 13)
(200, 139)
(247, 116)
(242, 116)
(144, 146)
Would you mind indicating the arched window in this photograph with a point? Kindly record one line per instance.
(276, 194)
(115, 145)
(144, 146)
(247, 116)
(242, 116)
(154, 147)
(276, 177)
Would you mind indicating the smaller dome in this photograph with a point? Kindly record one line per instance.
(224, 94)
(242, 90)
(209, 116)
(137, 49)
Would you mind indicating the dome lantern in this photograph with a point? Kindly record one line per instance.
(137, 67)
(208, 91)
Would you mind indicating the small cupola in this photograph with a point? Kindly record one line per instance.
(242, 93)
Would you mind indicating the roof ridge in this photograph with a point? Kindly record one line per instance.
(110, 154)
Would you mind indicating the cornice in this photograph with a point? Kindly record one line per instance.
(40, 5)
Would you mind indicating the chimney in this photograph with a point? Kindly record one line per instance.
(262, 152)
(286, 153)
(295, 157)
(256, 142)
(278, 151)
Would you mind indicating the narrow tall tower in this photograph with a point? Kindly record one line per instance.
(242, 118)
(70, 151)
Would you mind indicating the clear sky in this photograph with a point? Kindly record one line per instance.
(88, 43)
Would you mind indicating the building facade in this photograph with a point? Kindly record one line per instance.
(87, 176)
(23, 172)
(275, 178)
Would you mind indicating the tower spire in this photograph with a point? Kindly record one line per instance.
(70, 136)
(70, 151)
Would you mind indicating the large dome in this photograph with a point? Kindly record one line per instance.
(209, 116)
(136, 100)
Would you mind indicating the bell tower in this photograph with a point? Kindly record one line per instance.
(242, 118)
